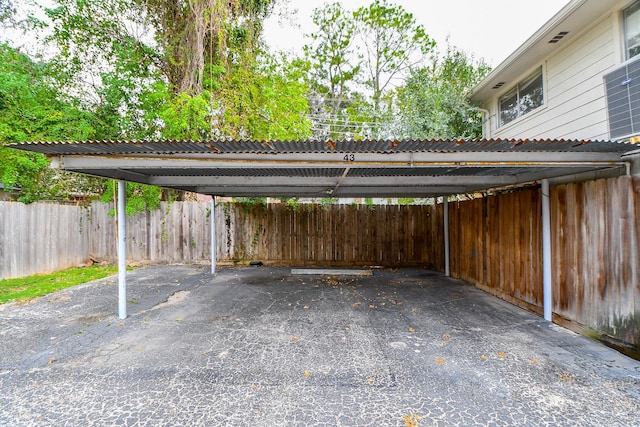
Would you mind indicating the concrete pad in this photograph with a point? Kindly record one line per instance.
(263, 347)
(330, 272)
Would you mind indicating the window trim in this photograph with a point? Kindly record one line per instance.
(633, 5)
(538, 72)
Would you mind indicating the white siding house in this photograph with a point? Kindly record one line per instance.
(584, 42)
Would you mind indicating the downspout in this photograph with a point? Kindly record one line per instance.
(485, 114)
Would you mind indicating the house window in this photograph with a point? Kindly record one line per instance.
(632, 30)
(526, 96)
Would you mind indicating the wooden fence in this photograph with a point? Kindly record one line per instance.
(277, 234)
(495, 243)
(332, 235)
(596, 273)
(176, 232)
(595, 226)
(41, 237)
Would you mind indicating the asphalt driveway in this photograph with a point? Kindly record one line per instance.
(263, 347)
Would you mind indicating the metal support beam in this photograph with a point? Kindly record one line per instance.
(212, 217)
(447, 271)
(122, 249)
(546, 251)
(485, 159)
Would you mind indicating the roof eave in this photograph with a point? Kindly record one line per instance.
(537, 47)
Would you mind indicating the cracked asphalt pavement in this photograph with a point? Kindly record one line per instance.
(263, 347)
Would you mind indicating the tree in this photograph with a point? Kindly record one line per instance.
(433, 102)
(393, 44)
(179, 70)
(31, 109)
(7, 11)
(357, 60)
(335, 64)
(179, 39)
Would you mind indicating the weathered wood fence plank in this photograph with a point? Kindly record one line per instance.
(41, 237)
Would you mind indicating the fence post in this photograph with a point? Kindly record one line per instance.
(212, 217)
(546, 251)
(122, 249)
(447, 271)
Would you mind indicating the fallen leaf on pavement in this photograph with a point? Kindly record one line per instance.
(411, 420)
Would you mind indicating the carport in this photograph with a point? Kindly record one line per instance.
(411, 168)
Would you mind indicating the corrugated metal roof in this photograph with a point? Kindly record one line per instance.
(169, 147)
(385, 168)
(264, 172)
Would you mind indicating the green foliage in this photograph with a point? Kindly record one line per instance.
(196, 70)
(249, 203)
(356, 58)
(433, 101)
(42, 284)
(291, 202)
(394, 42)
(33, 109)
(326, 201)
(7, 11)
(140, 197)
(335, 65)
(266, 101)
(185, 117)
(158, 69)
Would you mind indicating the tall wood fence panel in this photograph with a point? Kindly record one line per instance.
(596, 253)
(335, 235)
(330, 235)
(41, 237)
(496, 243)
(595, 227)
(176, 232)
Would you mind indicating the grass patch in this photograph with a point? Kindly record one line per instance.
(38, 285)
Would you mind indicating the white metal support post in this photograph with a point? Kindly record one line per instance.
(122, 249)
(212, 217)
(546, 251)
(447, 271)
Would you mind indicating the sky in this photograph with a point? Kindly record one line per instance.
(488, 29)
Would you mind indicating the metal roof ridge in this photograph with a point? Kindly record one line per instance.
(389, 141)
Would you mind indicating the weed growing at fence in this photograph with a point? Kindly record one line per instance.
(24, 288)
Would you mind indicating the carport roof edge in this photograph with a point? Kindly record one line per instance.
(345, 168)
(163, 147)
